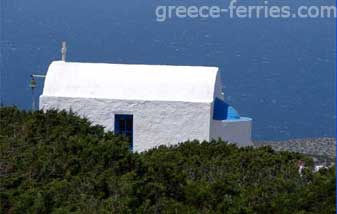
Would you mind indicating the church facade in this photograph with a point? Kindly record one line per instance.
(152, 105)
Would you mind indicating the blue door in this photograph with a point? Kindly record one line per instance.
(124, 126)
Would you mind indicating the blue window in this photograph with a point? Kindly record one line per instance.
(124, 126)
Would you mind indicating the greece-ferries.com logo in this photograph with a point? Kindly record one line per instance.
(235, 10)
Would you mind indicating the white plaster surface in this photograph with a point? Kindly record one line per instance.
(131, 82)
(169, 104)
(234, 131)
(155, 123)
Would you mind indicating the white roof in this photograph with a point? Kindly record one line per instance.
(131, 82)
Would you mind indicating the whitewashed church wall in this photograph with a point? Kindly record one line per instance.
(155, 123)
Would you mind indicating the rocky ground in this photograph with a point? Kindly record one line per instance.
(323, 150)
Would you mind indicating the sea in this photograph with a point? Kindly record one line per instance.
(280, 72)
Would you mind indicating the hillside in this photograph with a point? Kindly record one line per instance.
(56, 162)
(323, 150)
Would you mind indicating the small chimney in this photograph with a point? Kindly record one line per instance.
(64, 51)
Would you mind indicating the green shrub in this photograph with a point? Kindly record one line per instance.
(56, 162)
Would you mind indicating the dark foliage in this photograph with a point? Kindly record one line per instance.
(56, 162)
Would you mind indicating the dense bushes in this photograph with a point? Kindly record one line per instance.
(55, 162)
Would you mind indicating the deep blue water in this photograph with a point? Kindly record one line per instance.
(280, 72)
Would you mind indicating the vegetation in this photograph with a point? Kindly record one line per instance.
(56, 162)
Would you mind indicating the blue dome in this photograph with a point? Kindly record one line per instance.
(232, 113)
(223, 111)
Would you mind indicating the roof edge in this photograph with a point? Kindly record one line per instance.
(122, 64)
